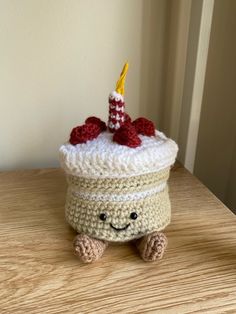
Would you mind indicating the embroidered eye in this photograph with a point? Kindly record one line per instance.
(103, 216)
(133, 215)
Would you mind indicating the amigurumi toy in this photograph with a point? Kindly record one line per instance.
(117, 176)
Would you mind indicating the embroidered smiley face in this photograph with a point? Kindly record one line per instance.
(133, 216)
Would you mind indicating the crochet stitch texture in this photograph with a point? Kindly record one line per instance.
(117, 182)
(105, 177)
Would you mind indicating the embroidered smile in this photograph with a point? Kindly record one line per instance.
(120, 229)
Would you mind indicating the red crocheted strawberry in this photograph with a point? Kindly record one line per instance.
(127, 135)
(98, 122)
(82, 134)
(144, 126)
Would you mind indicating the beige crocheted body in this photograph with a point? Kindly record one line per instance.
(146, 195)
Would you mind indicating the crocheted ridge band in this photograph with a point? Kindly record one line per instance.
(119, 206)
(119, 186)
(104, 158)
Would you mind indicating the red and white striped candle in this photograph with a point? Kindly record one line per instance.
(116, 111)
(116, 103)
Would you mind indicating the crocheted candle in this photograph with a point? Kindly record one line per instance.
(117, 104)
(118, 182)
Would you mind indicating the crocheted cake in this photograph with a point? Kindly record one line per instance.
(117, 176)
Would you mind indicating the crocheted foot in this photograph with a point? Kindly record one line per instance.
(152, 246)
(88, 249)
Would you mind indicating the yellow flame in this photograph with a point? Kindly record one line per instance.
(120, 85)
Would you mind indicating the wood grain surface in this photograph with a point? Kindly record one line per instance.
(40, 274)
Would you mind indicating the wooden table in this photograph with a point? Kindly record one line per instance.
(40, 274)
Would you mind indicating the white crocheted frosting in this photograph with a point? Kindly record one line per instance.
(104, 158)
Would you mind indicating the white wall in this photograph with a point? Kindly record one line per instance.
(59, 61)
(216, 151)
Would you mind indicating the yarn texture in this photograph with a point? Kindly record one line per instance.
(105, 177)
(82, 134)
(126, 135)
(144, 126)
(153, 214)
(152, 246)
(102, 157)
(87, 249)
(117, 174)
(98, 122)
